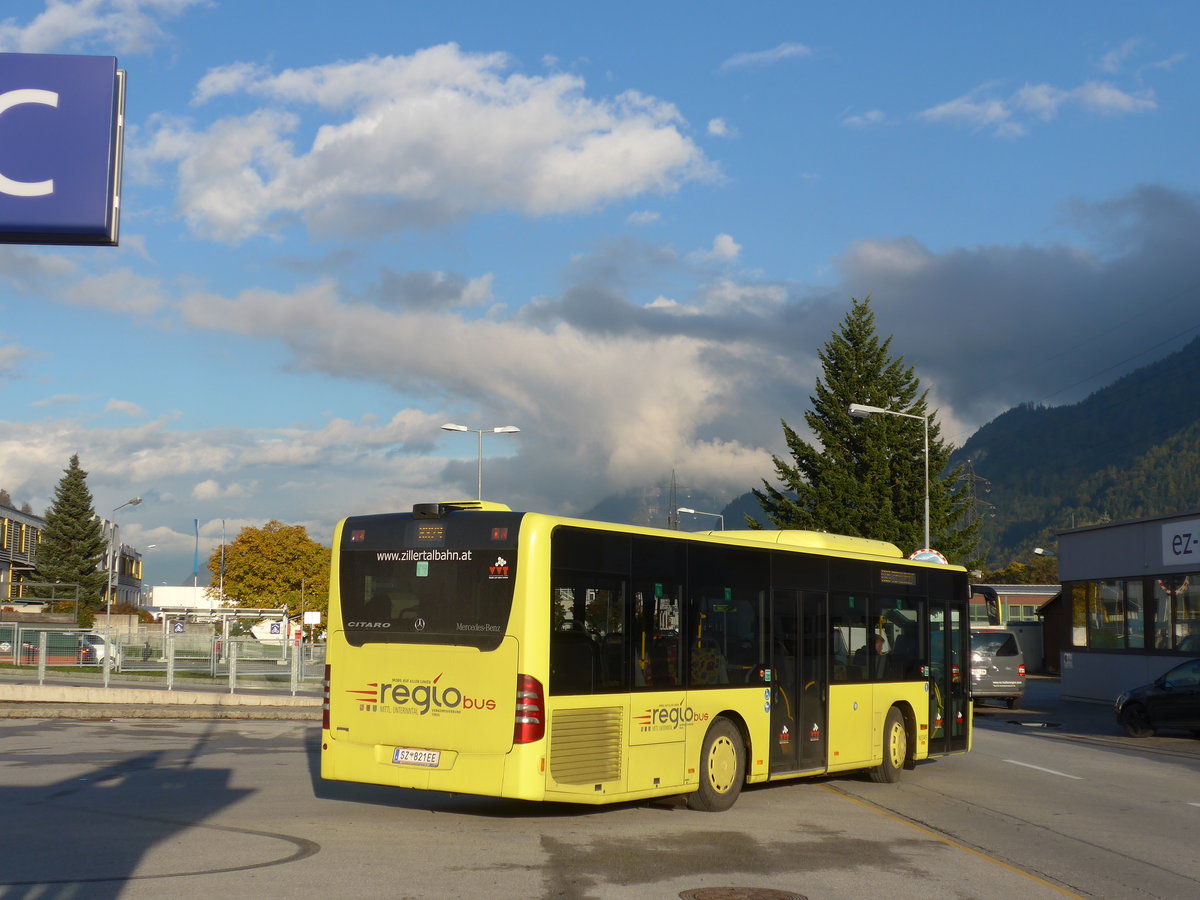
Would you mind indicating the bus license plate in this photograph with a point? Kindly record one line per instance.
(407, 756)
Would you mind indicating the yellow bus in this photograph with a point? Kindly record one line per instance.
(477, 650)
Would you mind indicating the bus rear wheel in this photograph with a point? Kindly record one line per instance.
(895, 749)
(722, 768)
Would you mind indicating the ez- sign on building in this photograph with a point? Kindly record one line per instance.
(61, 131)
(1130, 603)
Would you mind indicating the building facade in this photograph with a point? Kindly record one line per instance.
(20, 535)
(1130, 604)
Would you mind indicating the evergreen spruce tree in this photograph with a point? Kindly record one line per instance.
(866, 477)
(73, 542)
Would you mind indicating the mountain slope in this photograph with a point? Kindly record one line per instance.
(1131, 449)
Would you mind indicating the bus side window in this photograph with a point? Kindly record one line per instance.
(848, 619)
(574, 663)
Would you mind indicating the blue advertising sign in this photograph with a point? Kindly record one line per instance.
(61, 131)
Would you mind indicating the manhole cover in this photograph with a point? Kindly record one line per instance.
(1035, 724)
(739, 893)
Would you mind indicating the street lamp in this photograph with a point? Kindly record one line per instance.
(112, 543)
(700, 512)
(503, 429)
(861, 411)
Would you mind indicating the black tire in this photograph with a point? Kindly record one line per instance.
(722, 768)
(1014, 702)
(895, 749)
(1135, 720)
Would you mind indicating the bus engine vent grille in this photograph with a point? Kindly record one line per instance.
(585, 745)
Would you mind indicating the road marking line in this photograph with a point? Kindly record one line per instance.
(1016, 762)
(950, 842)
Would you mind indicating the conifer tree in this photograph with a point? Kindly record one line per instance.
(73, 541)
(866, 477)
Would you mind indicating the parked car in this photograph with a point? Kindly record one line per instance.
(1171, 701)
(997, 667)
(94, 652)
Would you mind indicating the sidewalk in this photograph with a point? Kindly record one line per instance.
(80, 697)
(1044, 707)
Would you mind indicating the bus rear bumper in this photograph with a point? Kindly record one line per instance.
(486, 775)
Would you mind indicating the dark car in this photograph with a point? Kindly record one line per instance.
(1172, 701)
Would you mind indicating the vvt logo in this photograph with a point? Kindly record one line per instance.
(61, 127)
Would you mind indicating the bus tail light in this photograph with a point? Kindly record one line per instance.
(325, 701)
(530, 722)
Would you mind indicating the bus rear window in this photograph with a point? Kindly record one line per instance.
(448, 581)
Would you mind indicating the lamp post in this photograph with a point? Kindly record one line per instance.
(502, 429)
(861, 411)
(112, 545)
(700, 512)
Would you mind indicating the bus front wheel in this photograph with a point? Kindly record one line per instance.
(722, 768)
(895, 749)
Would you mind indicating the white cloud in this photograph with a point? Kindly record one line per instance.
(211, 489)
(125, 408)
(121, 291)
(399, 146)
(127, 26)
(643, 217)
(870, 119)
(721, 128)
(11, 356)
(1106, 98)
(1112, 61)
(977, 113)
(594, 411)
(983, 110)
(59, 400)
(779, 53)
(1043, 100)
(724, 249)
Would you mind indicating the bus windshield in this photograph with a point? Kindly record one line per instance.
(439, 581)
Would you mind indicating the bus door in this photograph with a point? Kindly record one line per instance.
(949, 657)
(799, 664)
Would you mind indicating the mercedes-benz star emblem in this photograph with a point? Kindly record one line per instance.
(419, 624)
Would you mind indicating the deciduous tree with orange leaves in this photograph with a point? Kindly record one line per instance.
(272, 566)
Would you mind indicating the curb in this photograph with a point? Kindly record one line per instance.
(104, 711)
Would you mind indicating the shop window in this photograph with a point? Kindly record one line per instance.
(1135, 620)
(1177, 599)
(1079, 612)
(1106, 616)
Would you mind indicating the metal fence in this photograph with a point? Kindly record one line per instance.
(181, 660)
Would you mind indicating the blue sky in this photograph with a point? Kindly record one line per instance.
(625, 228)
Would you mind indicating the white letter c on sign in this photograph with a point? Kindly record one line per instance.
(16, 98)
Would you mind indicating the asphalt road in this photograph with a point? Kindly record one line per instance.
(1053, 802)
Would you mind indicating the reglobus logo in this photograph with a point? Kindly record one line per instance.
(669, 718)
(420, 697)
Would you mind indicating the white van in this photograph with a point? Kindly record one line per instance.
(997, 667)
